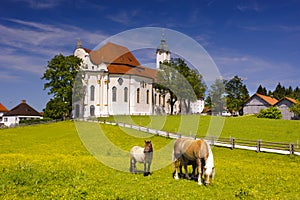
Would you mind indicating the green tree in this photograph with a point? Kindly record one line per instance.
(60, 75)
(270, 113)
(261, 90)
(217, 96)
(237, 93)
(181, 82)
(279, 91)
(295, 109)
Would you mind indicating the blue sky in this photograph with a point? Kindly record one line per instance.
(256, 40)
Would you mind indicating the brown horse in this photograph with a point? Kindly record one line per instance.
(141, 155)
(196, 152)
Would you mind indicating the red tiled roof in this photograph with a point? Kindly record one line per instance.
(289, 99)
(87, 50)
(2, 108)
(120, 60)
(269, 100)
(23, 109)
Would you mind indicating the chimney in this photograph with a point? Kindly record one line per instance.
(23, 101)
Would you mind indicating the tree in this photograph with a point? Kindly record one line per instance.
(295, 109)
(270, 113)
(261, 90)
(216, 94)
(181, 82)
(237, 93)
(60, 75)
(279, 91)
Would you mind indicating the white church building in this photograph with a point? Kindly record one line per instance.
(115, 83)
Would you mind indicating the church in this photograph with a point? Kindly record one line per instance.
(115, 83)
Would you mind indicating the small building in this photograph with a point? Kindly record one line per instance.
(284, 104)
(197, 106)
(3, 110)
(257, 102)
(21, 112)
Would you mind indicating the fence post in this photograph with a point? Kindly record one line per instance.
(168, 136)
(291, 149)
(232, 143)
(179, 135)
(212, 141)
(258, 146)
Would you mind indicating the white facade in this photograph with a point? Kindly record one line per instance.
(113, 91)
(11, 121)
(116, 84)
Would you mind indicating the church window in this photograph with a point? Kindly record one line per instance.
(92, 93)
(125, 94)
(138, 95)
(148, 96)
(120, 81)
(92, 110)
(159, 98)
(114, 94)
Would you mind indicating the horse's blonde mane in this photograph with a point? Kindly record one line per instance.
(210, 160)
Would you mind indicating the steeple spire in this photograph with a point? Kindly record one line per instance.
(78, 43)
(163, 47)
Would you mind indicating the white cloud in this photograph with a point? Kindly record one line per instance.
(29, 45)
(255, 70)
(41, 4)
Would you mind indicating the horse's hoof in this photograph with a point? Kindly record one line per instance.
(146, 173)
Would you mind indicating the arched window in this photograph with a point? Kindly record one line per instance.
(114, 94)
(125, 94)
(77, 111)
(159, 98)
(92, 110)
(155, 99)
(148, 96)
(138, 95)
(92, 88)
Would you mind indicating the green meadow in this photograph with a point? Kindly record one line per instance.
(60, 161)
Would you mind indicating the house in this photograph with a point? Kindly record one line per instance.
(3, 110)
(284, 104)
(21, 112)
(257, 102)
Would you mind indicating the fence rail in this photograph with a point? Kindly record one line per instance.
(233, 143)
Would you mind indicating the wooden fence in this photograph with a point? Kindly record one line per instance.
(233, 143)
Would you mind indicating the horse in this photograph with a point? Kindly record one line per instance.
(141, 155)
(196, 152)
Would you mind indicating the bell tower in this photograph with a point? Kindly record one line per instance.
(162, 52)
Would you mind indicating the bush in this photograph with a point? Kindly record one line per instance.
(35, 121)
(271, 113)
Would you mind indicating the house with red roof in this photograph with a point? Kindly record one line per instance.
(284, 104)
(3, 110)
(23, 111)
(257, 102)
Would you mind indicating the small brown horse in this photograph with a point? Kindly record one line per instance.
(141, 155)
(196, 152)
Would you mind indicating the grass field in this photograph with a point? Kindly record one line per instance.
(50, 162)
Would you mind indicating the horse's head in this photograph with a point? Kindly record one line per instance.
(209, 173)
(148, 147)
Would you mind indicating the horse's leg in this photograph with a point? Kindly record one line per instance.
(149, 164)
(187, 176)
(194, 170)
(145, 168)
(199, 165)
(176, 163)
(132, 165)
